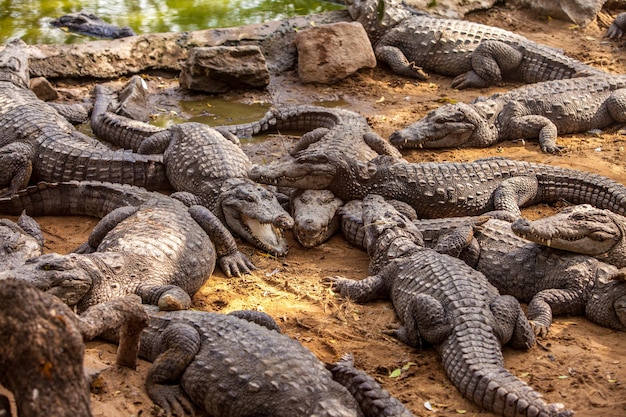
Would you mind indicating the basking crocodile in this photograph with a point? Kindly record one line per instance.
(551, 281)
(19, 241)
(442, 301)
(91, 25)
(37, 143)
(445, 189)
(542, 110)
(477, 55)
(332, 131)
(43, 363)
(207, 163)
(229, 366)
(147, 244)
(581, 229)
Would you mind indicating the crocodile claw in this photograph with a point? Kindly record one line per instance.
(236, 264)
(171, 399)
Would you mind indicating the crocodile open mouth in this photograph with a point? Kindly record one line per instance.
(267, 236)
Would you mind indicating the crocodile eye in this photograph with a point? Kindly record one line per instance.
(250, 199)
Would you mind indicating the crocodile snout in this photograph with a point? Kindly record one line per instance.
(284, 221)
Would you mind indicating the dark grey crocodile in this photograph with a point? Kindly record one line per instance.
(41, 359)
(444, 189)
(442, 301)
(333, 131)
(207, 163)
(89, 24)
(38, 144)
(542, 111)
(146, 243)
(477, 55)
(616, 29)
(19, 241)
(581, 229)
(551, 281)
(228, 366)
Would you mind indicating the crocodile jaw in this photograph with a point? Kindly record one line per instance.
(313, 176)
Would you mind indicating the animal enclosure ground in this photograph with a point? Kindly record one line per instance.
(579, 364)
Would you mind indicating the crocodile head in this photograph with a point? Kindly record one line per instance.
(14, 63)
(377, 16)
(449, 126)
(63, 276)
(254, 213)
(582, 229)
(315, 216)
(19, 241)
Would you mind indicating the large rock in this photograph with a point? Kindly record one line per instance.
(580, 12)
(218, 69)
(329, 53)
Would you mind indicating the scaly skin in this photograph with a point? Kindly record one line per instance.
(477, 55)
(332, 131)
(581, 229)
(206, 163)
(228, 366)
(43, 364)
(445, 189)
(616, 29)
(552, 282)
(39, 144)
(542, 111)
(19, 241)
(442, 301)
(146, 244)
(91, 25)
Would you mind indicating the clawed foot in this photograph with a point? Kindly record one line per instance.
(236, 264)
(171, 399)
(540, 330)
(468, 80)
(553, 149)
(336, 282)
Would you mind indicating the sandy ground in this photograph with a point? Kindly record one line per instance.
(579, 364)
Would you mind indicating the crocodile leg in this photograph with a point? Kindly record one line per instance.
(550, 302)
(489, 60)
(309, 138)
(513, 327)
(380, 145)
(514, 193)
(258, 317)
(367, 289)
(424, 319)
(616, 104)
(373, 400)
(104, 226)
(167, 297)
(395, 58)
(229, 258)
(181, 342)
(17, 166)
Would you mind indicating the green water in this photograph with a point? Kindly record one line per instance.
(29, 19)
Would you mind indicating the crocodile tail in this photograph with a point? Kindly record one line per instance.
(580, 187)
(294, 118)
(89, 198)
(552, 65)
(479, 374)
(76, 159)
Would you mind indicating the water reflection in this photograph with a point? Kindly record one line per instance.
(29, 19)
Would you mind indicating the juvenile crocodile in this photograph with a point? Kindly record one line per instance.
(445, 189)
(332, 131)
(91, 25)
(581, 229)
(41, 357)
(442, 301)
(37, 143)
(207, 163)
(476, 55)
(19, 241)
(551, 281)
(542, 110)
(147, 244)
(228, 366)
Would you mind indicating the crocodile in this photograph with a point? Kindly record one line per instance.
(333, 131)
(581, 229)
(41, 358)
(443, 302)
(89, 24)
(445, 189)
(543, 110)
(38, 144)
(616, 28)
(146, 243)
(551, 281)
(476, 55)
(231, 366)
(19, 241)
(205, 162)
